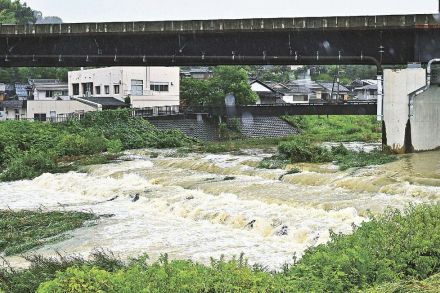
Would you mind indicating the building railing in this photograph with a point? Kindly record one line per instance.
(156, 111)
(59, 119)
(145, 93)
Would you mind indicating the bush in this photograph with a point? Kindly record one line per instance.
(395, 246)
(300, 150)
(349, 159)
(114, 146)
(274, 162)
(29, 164)
(86, 143)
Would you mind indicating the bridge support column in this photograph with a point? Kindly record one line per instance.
(410, 127)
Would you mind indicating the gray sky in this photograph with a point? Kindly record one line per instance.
(131, 10)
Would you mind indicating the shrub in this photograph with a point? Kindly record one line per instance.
(86, 143)
(114, 146)
(274, 162)
(396, 246)
(350, 159)
(29, 164)
(301, 150)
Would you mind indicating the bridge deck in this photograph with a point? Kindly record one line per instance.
(421, 21)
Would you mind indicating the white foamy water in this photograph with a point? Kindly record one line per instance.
(203, 206)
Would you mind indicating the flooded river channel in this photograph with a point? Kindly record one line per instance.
(199, 206)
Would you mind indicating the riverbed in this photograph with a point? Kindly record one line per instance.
(197, 206)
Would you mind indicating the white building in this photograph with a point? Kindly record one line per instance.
(49, 90)
(146, 86)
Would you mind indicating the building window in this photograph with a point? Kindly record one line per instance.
(107, 89)
(87, 89)
(159, 87)
(49, 94)
(98, 90)
(116, 89)
(75, 87)
(40, 116)
(137, 87)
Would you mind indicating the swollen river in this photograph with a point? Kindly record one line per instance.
(199, 206)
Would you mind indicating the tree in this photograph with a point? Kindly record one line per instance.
(230, 79)
(15, 12)
(226, 80)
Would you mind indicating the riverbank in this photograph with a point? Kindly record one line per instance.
(403, 252)
(29, 149)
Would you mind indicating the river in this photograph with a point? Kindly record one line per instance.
(198, 206)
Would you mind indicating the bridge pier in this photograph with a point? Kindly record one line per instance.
(410, 124)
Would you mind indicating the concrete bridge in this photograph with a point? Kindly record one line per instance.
(393, 39)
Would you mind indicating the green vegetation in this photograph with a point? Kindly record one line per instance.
(24, 230)
(13, 12)
(302, 150)
(347, 73)
(212, 92)
(337, 128)
(396, 252)
(28, 149)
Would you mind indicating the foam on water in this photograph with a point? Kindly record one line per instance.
(188, 209)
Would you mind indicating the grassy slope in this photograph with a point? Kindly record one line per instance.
(337, 128)
(24, 230)
(314, 128)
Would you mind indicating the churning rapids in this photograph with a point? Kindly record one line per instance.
(199, 205)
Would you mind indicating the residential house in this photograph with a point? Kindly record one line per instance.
(365, 89)
(331, 92)
(266, 94)
(144, 86)
(198, 73)
(23, 91)
(296, 94)
(48, 89)
(13, 110)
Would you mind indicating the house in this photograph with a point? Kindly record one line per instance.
(365, 89)
(144, 86)
(296, 94)
(13, 109)
(331, 92)
(48, 89)
(23, 91)
(266, 94)
(198, 73)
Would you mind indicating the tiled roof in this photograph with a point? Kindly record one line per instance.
(13, 104)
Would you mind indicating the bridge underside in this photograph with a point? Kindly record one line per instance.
(398, 46)
(298, 109)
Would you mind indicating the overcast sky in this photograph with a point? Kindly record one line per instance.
(131, 10)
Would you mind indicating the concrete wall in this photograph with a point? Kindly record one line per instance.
(398, 84)
(425, 120)
(60, 107)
